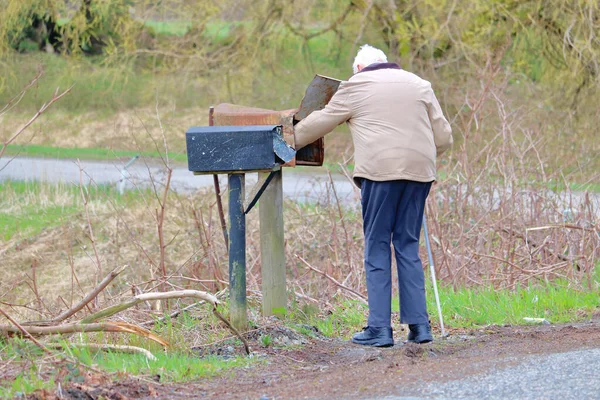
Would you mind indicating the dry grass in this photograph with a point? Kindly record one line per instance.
(131, 129)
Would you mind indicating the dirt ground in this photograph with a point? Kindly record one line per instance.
(331, 368)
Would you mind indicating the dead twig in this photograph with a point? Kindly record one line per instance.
(42, 109)
(175, 314)
(89, 297)
(231, 328)
(104, 347)
(107, 312)
(354, 292)
(89, 223)
(121, 327)
(24, 331)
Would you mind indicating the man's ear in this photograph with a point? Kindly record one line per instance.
(359, 67)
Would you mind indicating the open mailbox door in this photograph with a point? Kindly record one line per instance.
(318, 94)
(316, 97)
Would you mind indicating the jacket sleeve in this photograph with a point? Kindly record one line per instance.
(320, 123)
(442, 132)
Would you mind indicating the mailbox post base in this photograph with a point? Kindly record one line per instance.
(272, 248)
(237, 253)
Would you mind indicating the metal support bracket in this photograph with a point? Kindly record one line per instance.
(257, 191)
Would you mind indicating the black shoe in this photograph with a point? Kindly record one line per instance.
(377, 337)
(419, 333)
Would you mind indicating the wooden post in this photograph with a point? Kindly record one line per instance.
(237, 253)
(272, 252)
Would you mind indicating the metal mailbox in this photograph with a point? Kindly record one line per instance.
(222, 149)
(317, 95)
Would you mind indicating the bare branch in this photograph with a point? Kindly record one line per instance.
(42, 109)
(18, 329)
(90, 296)
(121, 327)
(107, 312)
(116, 347)
(332, 279)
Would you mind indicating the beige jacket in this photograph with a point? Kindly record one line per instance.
(396, 122)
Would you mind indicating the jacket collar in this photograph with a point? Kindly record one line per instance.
(376, 66)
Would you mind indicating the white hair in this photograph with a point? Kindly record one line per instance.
(368, 55)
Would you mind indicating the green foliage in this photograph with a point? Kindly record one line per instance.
(28, 379)
(25, 383)
(557, 302)
(266, 340)
(28, 208)
(168, 28)
(347, 317)
(22, 24)
(171, 366)
(102, 26)
(175, 366)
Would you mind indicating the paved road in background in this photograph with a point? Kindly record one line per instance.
(563, 376)
(301, 184)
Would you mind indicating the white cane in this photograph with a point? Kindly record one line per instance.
(435, 289)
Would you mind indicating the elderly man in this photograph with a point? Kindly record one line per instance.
(398, 128)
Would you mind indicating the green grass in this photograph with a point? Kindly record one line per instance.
(28, 379)
(174, 366)
(26, 214)
(28, 208)
(31, 220)
(469, 307)
(556, 302)
(558, 187)
(347, 317)
(84, 153)
(25, 383)
(97, 87)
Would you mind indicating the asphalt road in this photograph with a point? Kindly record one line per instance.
(301, 183)
(561, 376)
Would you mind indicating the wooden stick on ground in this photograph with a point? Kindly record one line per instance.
(107, 312)
(235, 331)
(89, 297)
(24, 332)
(121, 348)
(75, 328)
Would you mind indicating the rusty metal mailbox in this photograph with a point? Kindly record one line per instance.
(317, 95)
(223, 149)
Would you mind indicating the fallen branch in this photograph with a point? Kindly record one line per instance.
(89, 297)
(107, 312)
(360, 296)
(24, 331)
(116, 347)
(176, 313)
(235, 331)
(121, 327)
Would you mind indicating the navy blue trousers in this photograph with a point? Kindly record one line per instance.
(393, 212)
